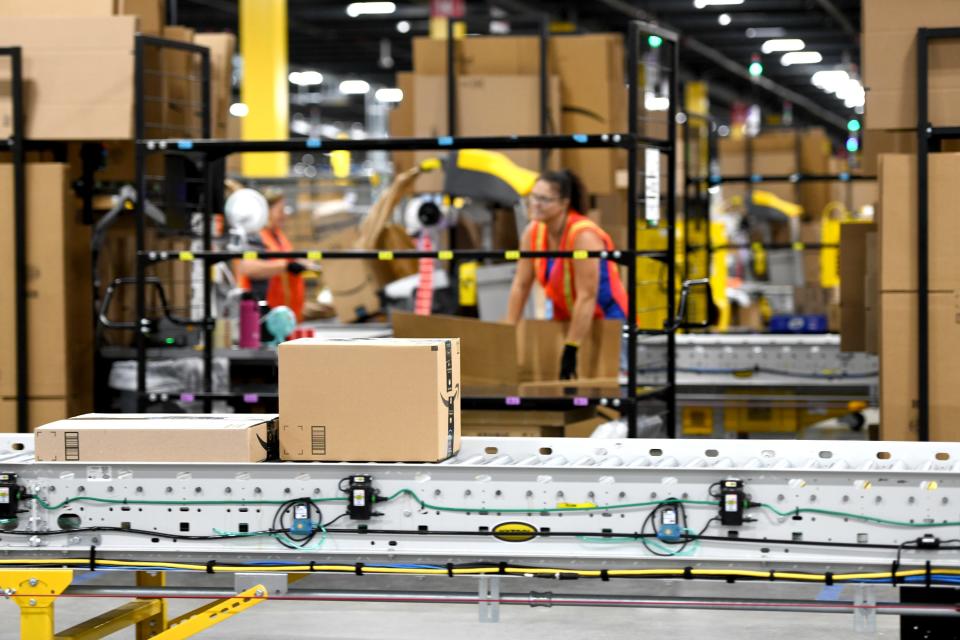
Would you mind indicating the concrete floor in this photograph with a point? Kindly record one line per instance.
(298, 620)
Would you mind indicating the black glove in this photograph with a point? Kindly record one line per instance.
(568, 363)
(295, 268)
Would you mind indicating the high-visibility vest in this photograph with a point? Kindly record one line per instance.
(285, 289)
(559, 283)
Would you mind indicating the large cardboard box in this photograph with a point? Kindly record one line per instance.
(401, 121)
(78, 76)
(151, 13)
(898, 222)
(593, 99)
(222, 47)
(59, 313)
(353, 283)
(480, 113)
(854, 242)
(889, 54)
(872, 294)
(158, 437)
(497, 353)
(898, 366)
(39, 411)
(384, 400)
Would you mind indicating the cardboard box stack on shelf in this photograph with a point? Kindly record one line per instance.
(78, 72)
(899, 300)
(890, 145)
(587, 94)
(59, 313)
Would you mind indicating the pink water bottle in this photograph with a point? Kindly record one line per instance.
(249, 323)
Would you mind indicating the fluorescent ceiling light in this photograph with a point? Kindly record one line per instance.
(801, 57)
(700, 4)
(355, 9)
(765, 32)
(239, 109)
(655, 103)
(305, 78)
(389, 94)
(782, 44)
(403, 26)
(724, 19)
(849, 89)
(829, 79)
(354, 87)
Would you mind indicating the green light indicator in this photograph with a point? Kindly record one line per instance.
(853, 145)
(853, 125)
(169, 340)
(755, 69)
(654, 41)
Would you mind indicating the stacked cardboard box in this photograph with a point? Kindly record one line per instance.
(586, 95)
(59, 313)
(858, 287)
(899, 299)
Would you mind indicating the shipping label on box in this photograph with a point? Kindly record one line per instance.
(374, 400)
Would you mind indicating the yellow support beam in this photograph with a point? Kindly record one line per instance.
(34, 591)
(156, 623)
(265, 88)
(112, 621)
(205, 617)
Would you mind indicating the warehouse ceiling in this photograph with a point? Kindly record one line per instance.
(717, 49)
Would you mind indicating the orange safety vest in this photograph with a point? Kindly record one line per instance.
(285, 289)
(559, 283)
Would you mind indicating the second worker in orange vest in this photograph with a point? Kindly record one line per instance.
(580, 290)
(277, 281)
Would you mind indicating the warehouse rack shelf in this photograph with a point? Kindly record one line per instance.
(929, 138)
(16, 146)
(213, 151)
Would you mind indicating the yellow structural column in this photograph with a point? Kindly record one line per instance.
(265, 90)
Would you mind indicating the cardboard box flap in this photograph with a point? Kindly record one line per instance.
(541, 347)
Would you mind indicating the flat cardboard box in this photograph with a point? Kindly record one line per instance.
(890, 63)
(158, 437)
(401, 121)
(222, 48)
(383, 400)
(353, 283)
(480, 113)
(898, 222)
(39, 411)
(59, 313)
(898, 366)
(497, 353)
(854, 238)
(872, 294)
(78, 76)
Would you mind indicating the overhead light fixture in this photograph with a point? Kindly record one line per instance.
(356, 9)
(700, 4)
(801, 57)
(765, 32)
(239, 109)
(389, 94)
(403, 26)
(724, 19)
(354, 87)
(829, 79)
(652, 102)
(779, 45)
(305, 78)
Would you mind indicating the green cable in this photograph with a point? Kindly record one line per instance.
(844, 514)
(52, 507)
(630, 505)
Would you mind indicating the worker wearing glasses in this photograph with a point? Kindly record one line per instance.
(580, 290)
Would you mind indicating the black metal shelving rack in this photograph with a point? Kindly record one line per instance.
(15, 145)
(630, 141)
(929, 138)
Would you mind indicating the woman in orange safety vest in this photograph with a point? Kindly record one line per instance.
(580, 290)
(277, 281)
